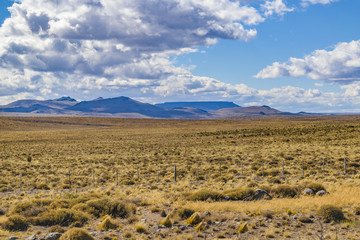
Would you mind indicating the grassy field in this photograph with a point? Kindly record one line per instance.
(219, 165)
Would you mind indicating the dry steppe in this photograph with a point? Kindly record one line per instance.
(122, 177)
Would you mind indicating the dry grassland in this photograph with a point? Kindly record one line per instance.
(235, 157)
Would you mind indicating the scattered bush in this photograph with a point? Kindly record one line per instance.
(166, 222)
(331, 213)
(194, 219)
(56, 228)
(16, 223)
(76, 234)
(62, 217)
(284, 191)
(107, 224)
(185, 213)
(316, 187)
(204, 195)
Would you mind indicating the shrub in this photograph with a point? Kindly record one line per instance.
(243, 228)
(16, 223)
(59, 204)
(185, 213)
(76, 234)
(284, 191)
(107, 224)
(30, 209)
(62, 217)
(56, 228)
(316, 187)
(239, 194)
(166, 222)
(331, 213)
(2, 211)
(128, 182)
(194, 219)
(204, 195)
(102, 207)
(140, 228)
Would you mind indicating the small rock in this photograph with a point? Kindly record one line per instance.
(161, 226)
(321, 193)
(143, 220)
(13, 238)
(93, 233)
(217, 222)
(207, 213)
(226, 198)
(53, 236)
(182, 227)
(294, 217)
(31, 237)
(236, 220)
(308, 191)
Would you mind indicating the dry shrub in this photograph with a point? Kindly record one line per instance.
(62, 217)
(16, 223)
(166, 222)
(204, 195)
(107, 224)
(114, 208)
(185, 213)
(284, 191)
(239, 194)
(331, 213)
(76, 234)
(140, 228)
(201, 226)
(243, 228)
(194, 219)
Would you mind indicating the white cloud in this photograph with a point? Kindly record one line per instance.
(307, 2)
(275, 7)
(341, 64)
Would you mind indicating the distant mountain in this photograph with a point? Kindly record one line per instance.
(128, 105)
(248, 111)
(206, 106)
(125, 107)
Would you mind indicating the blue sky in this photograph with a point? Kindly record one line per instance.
(299, 55)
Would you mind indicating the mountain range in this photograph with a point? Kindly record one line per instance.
(125, 107)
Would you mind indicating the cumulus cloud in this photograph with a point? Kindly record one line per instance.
(105, 44)
(341, 64)
(275, 7)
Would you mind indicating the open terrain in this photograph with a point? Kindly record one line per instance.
(122, 171)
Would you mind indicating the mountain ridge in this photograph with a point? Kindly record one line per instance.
(128, 108)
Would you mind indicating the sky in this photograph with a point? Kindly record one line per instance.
(293, 55)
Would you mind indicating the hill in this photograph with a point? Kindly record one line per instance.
(206, 106)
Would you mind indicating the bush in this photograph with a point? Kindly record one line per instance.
(31, 209)
(204, 195)
(102, 207)
(140, 228)
(201, 226)
(128, 182)
(185, 213)
(166, 222)
(194, 219)
(16, 223)
(107, 224)
(239, 194)
(284, 191)
(56, 228)
(331, 213)
(62, 217)
(76, 234)
(316, 187)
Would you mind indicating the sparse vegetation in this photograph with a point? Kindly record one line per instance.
(140, 156)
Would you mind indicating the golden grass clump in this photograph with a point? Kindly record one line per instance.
(76, 234)
(185, 213)
(331, 213)
(166, 222)
(15, 223)
(140, 228)
(243, 228)
(201, 226)
(107, 224)
(62, 217)
(205, 194)
(194, 219)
